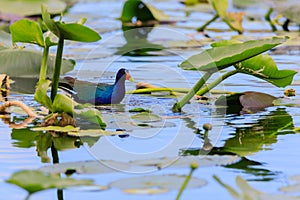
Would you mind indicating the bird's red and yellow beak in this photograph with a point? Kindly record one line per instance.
(128, 77)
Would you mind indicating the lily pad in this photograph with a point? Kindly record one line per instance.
(146, 191)
(146, 117)
(95, 133)
(219, 58)
(27, 63)
(86, 167)
(264, 67)
(57, 129)
(31, 7)
(248, 192)
(141, 11)
(185, 161)
(34, 181)
(287, 102)
(294, 187)
(140, 110)
(167, 182)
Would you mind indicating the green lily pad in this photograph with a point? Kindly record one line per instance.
(140, 110)
(287, 102)
(168, 182)
(185, 161)
(248, 192)
(146, 117)
(34, 181)
(31, 7)
(95, 133)
(219, 58)
(264, 67)
(294, 187)
(27, 63)
(86, 167)
(65, 129)
(141, 11)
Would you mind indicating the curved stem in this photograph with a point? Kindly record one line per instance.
(178, 105)
(58, 61)
(200, 29)
(213, 84)
(186, 180)
(268, 19)
(43, 71)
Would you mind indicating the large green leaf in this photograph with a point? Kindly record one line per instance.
(77, 32)
(28, 31)
(34, 181)
(63, 103)
(70, 31)
(141, 11)
(264, 67)
(219, 58)
(27, 63)
(31, 7)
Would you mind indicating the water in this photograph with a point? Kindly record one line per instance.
(265, 141)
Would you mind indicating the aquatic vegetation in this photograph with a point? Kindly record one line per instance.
(243, 56)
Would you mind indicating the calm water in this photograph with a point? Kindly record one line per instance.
(265, 141)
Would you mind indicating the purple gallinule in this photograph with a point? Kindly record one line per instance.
(101, 93)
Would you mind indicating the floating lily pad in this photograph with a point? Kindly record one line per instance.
(140, 110)
(87, 167)
(146, 191)
(94, 133)
(141, 11)
(294, 187)
(34, 181)
(57, 129)
(167, 182)
(27, 63)
(287, 102)
(146, 117)
(31, 7)
(185, 161)
(248, 192)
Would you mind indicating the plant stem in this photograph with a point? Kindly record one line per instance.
(178, 105)
(200, 29)
(43, 71)
(213, 84)
(58, 61)
(54, 153)
(186, 180)
(268, 19)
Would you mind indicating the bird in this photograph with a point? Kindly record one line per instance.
(97, 94)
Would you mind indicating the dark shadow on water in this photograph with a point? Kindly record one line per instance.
(137, 43)
(23, 85)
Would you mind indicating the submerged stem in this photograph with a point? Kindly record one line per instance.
(202, 28)
(58, 62)
(43, 71)
(213, 84)
(193, 166)
(178, 105)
